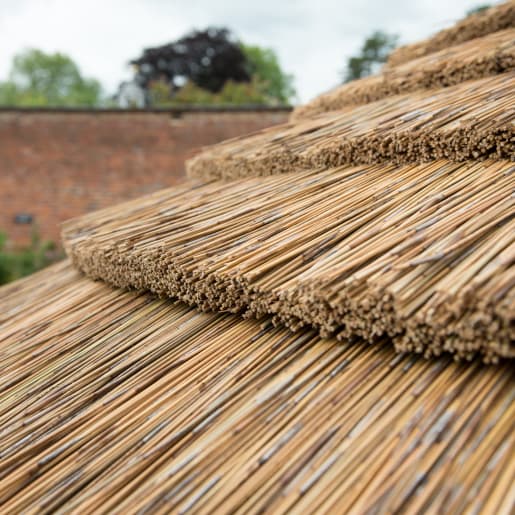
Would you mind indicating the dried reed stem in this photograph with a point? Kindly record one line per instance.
(480, 24)
(117, 402)
(473, 120)
(424, 254)
(475, 59)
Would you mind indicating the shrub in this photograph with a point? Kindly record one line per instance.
(19, 263)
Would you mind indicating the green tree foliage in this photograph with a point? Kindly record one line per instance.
(478, 9)
(264, 68)
(19, 263)
(40, 79)
(374, 52)
(232, 93)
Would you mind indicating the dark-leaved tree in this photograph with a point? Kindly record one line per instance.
(208, 58)
(211, 67)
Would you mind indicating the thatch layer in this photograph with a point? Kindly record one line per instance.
(422, 253)
(477, 25)
(474, 120)
(475, 59)
(116, 402)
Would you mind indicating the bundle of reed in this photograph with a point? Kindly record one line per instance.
(114, 402)
(422, 253)
(477, 25)
(473, 120)
(490, 55)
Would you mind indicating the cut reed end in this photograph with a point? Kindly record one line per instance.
(420, 253)
(471, 121)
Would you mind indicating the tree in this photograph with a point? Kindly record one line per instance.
(263, 65)
(211, 67)
(37, 78)
(478, 9)
(19, 263)
(373, 53)
(208, 58)
(232, 93)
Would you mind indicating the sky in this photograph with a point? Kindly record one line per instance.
(313, 38)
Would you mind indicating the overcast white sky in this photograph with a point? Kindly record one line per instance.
(313, 38)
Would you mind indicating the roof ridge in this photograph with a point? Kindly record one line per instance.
(493, 19)
(471, 60)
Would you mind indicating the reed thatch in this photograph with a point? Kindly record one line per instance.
(474, 120)
(490, 55)
(117, 402)
(423, 253)
(477, 25)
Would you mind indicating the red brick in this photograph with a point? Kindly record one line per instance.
(57, 164)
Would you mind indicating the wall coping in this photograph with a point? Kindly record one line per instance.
(174, 111)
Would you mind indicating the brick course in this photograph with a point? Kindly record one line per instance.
(55, 165)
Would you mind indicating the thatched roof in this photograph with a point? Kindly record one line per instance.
(476, 59)
(473, 120)
(115, 401)
(356, 251)
(479, 24)
(381, 231)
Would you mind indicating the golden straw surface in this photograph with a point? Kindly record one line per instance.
(474, 120)
(480, 24)
(422, 253)
(121, 403)
(490, 55)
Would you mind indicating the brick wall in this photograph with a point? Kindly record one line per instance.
(55, 165)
